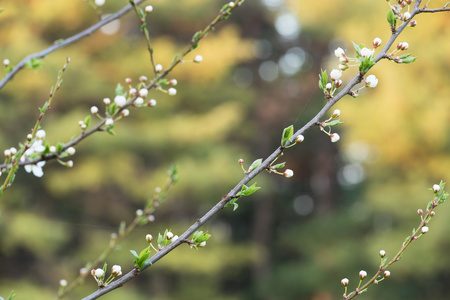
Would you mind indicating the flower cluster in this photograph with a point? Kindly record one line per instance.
(99, 275)
(332, 121)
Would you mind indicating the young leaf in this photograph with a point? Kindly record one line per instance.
(333, 123)
(247, 191)
(279, 166)
(287, 134)
(87, 120)
(357, 49)
(409, 60)
(391, 18)
(136, 256)
(255, 164)
(119, 90)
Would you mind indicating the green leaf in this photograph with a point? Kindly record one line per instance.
(163, 82)
(323, 79)
(409, 60)
(357, 49)
(391, 18)
(195, 40)
(11, 295)
(134, 254)
(119, 90)
(34, 63)
(44, 108)
(287, 134)
(87, 120)
(232, 202)
(279, 166)
(248, 190)
(334, 123)
(200, 236)
(407, 239)
(110, 130)
(255, 164)
(59, 147)
(112, 109)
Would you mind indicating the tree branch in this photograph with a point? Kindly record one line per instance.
(66, 42)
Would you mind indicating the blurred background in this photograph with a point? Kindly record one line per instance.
(295, 238)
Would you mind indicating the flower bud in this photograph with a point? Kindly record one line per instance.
(300, 138)
(109, 121)
(386, 274)
(6, 62)
(172, 91)
(132, 92)
(99, 2)
(152, 102)
(241, 161)
(29, 137)
(338, 83)
(40, 134)
(148, 9)
(128, 80)
(203, 244)
(84, 271)
(328, 86)
(70, 150)
(376, 42)
(371, 81)
(139, 101)
(335, 74)
(82, 124)
(362, 274)
(420, 212)
(125, 113)
(151, 218)
(288, 173)
(143, 93)
(63, 282)
(173, 82)
(231, 4)
(198, 59)
(13, 150)
(345, 282)
(98, 273)
(139, 212)
(436, 188)
(406, 16)
(424, 229)
(339, 52)
(432, 213)
(149, 238)
(69, 163)
(143, 78)
(116, 270)
(169, 235)
(382, 253)
(94, 110)
(7, 153)
(52, 149)
(158, 68)
(120, 101)
(336, 113)
(413, 23)
(107, 101)
(334, 137)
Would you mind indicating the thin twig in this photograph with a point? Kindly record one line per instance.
(65, 42)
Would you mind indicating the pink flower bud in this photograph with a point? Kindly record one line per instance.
(386, 274)
(241, 161)
(362, 274)
(376, 42)
(436, 188)
(149, 238)
(128, 80)
(413, 23)
(300, 138)
(288, 173)
(345, 282)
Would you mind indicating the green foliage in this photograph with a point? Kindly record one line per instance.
(141, 259)
(288, 132)
(392, 20)
(34, 63)
(323, 79)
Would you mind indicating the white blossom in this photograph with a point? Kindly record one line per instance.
(345, 282)
(148, 9)
(35, 169)
(203, 244)
(376, 42)
(407, 16)
(63, 282)
(371, 81)
(120, 101)
(339, 52)
(71, 150)
(169, 235)
(152, 102)
(172, 91)
(436, 188)
(99, 2)
(139, 101)
(424, 229)
(362, 274)
(198, 59)
(116, 270)
(107, 101)
(334, 137)
(149, 238)
(125, 113)
(94, 110)
(335, 74)
(109, 121)
(366, 52)
(40, 134)
(99, 273)
(158, 68)
(143, 93)
(288, 173)
(6, 62)
(336, 113)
